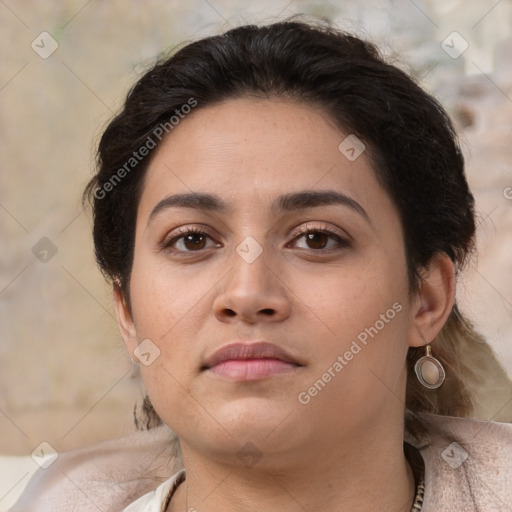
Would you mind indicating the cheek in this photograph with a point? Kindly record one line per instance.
(168, 309)
(166, 301)
(352, 297)
(361, 310)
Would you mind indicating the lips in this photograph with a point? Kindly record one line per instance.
(245, 361)
(240, 351)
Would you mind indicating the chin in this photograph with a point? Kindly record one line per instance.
(255, 418)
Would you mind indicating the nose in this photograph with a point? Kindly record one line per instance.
(253, 292)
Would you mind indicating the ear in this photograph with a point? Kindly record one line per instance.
(434, 301)
(125, 320)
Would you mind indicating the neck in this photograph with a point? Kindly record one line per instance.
(363, 475)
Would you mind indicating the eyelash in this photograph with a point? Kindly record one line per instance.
(341, 241)
(180, 234)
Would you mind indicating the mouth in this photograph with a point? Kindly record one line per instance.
(243, 361)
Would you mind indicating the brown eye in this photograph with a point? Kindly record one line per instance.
(194, 241)
(190, 240)
(320, 240)
(317, 240)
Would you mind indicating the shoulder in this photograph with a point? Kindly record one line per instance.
(468, 464)
(106, 476)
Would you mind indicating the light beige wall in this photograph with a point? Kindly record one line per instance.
(64, 375)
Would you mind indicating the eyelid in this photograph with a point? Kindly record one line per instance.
(323, 228)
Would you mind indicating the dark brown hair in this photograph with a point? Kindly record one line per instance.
(408, 135)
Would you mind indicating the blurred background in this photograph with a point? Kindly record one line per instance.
(66, 66)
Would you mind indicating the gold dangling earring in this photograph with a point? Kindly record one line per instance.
(429, 370)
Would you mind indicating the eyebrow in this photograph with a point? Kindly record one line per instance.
(283, 204)
(313, 198)
(199, 201)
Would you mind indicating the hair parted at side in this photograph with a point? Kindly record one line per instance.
(408, 135)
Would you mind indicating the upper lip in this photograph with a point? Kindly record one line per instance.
(248, 350)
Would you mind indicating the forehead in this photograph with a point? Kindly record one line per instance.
(250, 150)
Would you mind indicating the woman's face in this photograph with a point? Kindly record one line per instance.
(266, 173)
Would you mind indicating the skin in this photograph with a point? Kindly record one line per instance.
(342, 451)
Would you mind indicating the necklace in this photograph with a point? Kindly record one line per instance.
(417, 464)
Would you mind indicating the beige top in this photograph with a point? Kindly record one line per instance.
(156, 501)
(468, 467)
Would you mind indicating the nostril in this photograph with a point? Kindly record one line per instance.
(230, 312)
(268, 311)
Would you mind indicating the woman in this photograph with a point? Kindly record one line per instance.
(283, 216)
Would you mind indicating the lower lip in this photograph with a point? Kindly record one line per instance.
(251, 369)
